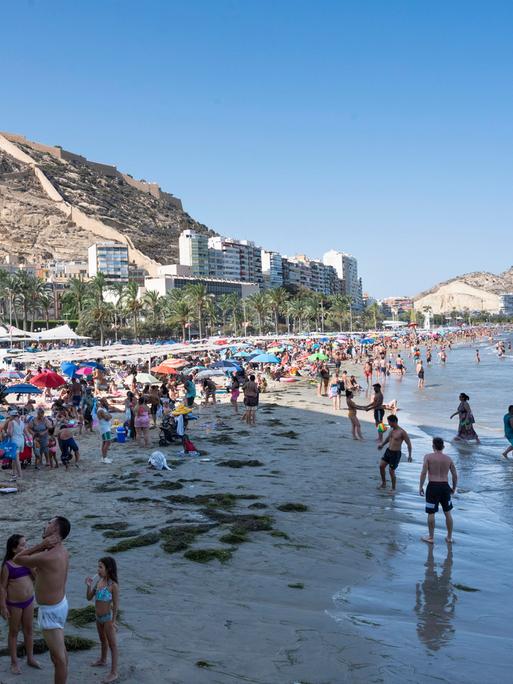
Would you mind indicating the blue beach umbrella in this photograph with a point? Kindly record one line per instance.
(232, 365)
(92, 364)
(23, 388)
(68, 368)
(367, 340)
(265, 358)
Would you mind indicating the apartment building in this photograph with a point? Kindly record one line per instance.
(109, 258)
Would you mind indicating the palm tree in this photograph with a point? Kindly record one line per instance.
(197, 295)
(259, 303)
(8, 288)
(374, 311)
(45, 302)
(97, 317)
(132, 303)
(154, 302)
(339, 308)
(97, 287)
(74, 298)
(210, 313)
(117, 291)
(179, 313)
(277, 299)
(235, 309)
(224, 304)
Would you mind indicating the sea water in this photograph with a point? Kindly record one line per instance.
(443, 612)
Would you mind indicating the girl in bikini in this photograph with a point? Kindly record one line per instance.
(351, 412)
(106, 595)
(17, 602)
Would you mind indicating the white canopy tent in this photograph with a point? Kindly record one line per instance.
(61, 332)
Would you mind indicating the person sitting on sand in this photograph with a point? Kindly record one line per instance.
(17, 602)
(392, 455)
(106, 594)
(437, 466)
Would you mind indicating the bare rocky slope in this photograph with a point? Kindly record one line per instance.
(483, 280)
(33, 227)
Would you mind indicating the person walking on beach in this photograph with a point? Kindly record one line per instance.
(17, 602)
(50, 559)
(377, 406)
(250, 390)
(466, 430)
(508, 430)
(392, 455)
(436, 467)
(106, 595)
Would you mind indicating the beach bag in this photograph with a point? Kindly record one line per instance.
(9, 449)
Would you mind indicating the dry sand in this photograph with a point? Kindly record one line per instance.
(241, 619)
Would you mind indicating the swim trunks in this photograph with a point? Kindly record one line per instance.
(379, 414)
(438, 493)
(53, 617)
(392, 458)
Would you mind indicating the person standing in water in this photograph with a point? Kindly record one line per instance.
(392, 455)
(436, 467)
(420, 373)
(466, 430)
(508, 430)
(377, 406)
(478, 358)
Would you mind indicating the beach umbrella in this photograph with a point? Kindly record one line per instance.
(230, 365)
(147, 379)
(273, 350)
(48, 379)
(318, 357)
(210, 373)
(68, 368)
(10, 374)
(165, 370)
(265, 358)
(92, 364)
(174, 363)
(242, 355)
(23, 388)
(85, 370)
(367, 340)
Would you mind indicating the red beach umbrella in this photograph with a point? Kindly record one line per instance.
(165, 370)
(48, 379)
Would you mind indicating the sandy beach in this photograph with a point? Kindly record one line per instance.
(333, 593)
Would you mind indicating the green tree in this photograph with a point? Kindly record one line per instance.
(132, 304)
(277, 300)
(179, 313)
(197, 295)
(259, 304)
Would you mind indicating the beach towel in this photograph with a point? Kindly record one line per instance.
(158, 461)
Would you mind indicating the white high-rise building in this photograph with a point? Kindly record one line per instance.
(272, 269)
(109, 258)
(346, 267)
(193, 250)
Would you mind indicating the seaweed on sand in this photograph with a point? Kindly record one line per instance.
(222, 439)
(215, 500)
(289, 434)
(293, 507)
(279, 533)
(234, 463)
(258, 504)
(233, 538)
(167, 485)
(116, 525)
(80, 617)
(120, 534)
(105, 487)
(139, 499)
(203, 663)
(206, 555)
(296, 585)
(135, 542)
(180, 537)
(73, 643)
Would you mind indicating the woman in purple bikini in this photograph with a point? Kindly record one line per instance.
(17, 602)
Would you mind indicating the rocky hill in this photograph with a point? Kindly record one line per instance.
(55, 204)
(482, 280)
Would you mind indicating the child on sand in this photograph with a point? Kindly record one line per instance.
(17, 602)
(106, 594)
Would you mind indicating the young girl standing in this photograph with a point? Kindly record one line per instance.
(17, 602)
(106, 595)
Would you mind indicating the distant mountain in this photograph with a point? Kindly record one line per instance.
(55, 203)
(482, 280)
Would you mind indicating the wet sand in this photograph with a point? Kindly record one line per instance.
(355, 613)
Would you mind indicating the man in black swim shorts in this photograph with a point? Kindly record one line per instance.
(437, 466)
(392, 455)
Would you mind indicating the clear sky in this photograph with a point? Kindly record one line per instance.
(383, 128)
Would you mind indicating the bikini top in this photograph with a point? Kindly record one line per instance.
(16, 572)
(104, 594)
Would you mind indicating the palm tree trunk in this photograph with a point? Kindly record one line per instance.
(183, 332)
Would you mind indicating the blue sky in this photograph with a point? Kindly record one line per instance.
(382, 128)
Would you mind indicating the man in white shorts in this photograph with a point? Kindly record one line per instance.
(51, 560)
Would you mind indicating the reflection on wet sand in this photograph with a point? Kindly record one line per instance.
(435, 603)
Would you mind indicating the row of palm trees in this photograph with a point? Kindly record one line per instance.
(105, 309)
(24, 298)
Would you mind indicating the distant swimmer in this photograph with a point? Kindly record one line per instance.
(436, 467)
(508, 430)
(393, 454)
(443, 356)
(478, 358)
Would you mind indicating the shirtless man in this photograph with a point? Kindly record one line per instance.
(437, 466)
(51, 560)
(392, 455)
(377, 406)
